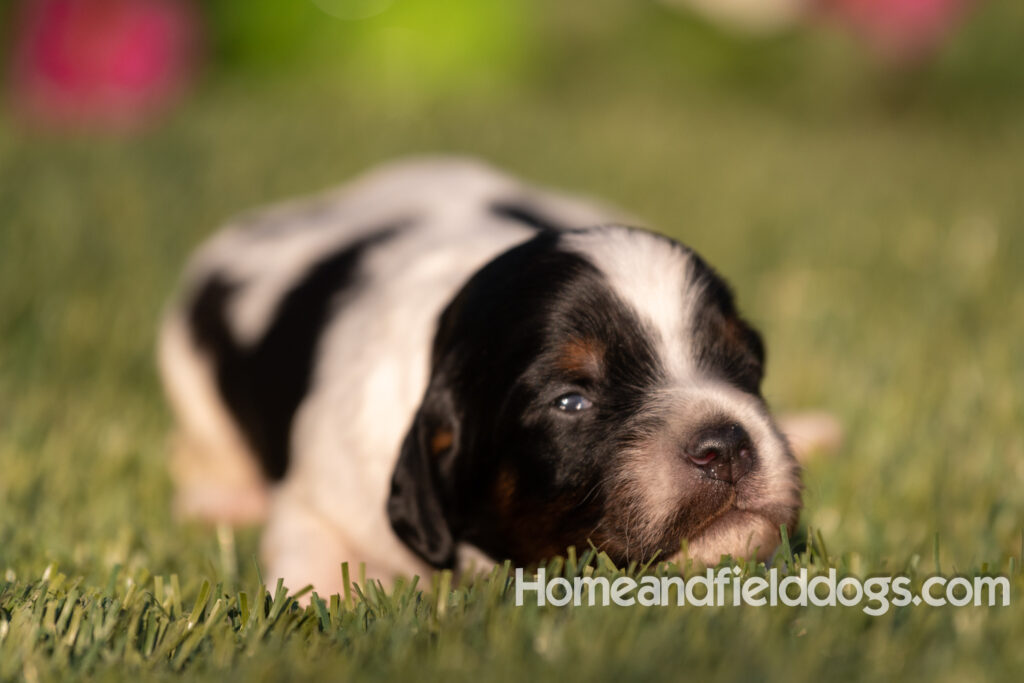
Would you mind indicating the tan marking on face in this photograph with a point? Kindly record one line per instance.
(581, 356)
(734, 332)
(441, 440)
(505, 489)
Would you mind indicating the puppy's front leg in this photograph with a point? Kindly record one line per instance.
(303, 547)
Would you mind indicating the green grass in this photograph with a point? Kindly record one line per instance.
(876, 240)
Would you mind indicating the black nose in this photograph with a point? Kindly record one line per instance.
(723, 452)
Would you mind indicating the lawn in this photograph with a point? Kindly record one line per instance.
(872, 226)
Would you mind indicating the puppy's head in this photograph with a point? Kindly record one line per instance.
(594, 385)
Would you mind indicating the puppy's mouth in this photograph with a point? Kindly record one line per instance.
(739, 532)
(729, 527)
(727, 505)
(736, 533)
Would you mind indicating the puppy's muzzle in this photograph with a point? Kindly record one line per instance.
(724, 452)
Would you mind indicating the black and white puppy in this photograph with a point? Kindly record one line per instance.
(437, 361)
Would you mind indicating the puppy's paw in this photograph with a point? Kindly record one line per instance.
(812, 433)
(215, 489)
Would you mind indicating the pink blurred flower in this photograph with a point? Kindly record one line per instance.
(900, 30)
(101, 62)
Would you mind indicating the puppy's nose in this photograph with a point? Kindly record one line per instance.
(724, 452)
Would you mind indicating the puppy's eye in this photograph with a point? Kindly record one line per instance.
(573, 403)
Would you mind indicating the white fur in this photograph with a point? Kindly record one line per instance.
(652, 276)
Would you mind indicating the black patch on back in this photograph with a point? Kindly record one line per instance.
(264, 383)
(525, 214)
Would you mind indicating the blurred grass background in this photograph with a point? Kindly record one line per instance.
(871, 220)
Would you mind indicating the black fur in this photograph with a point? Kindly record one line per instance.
(525, 214)
(727, 345)
(263, 384)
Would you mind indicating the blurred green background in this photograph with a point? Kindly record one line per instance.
(870, 217)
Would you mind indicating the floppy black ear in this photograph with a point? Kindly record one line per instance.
(417, 504)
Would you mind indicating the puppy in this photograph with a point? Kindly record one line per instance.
(437, 361)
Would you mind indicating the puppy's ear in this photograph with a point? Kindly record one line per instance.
(420, 486)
